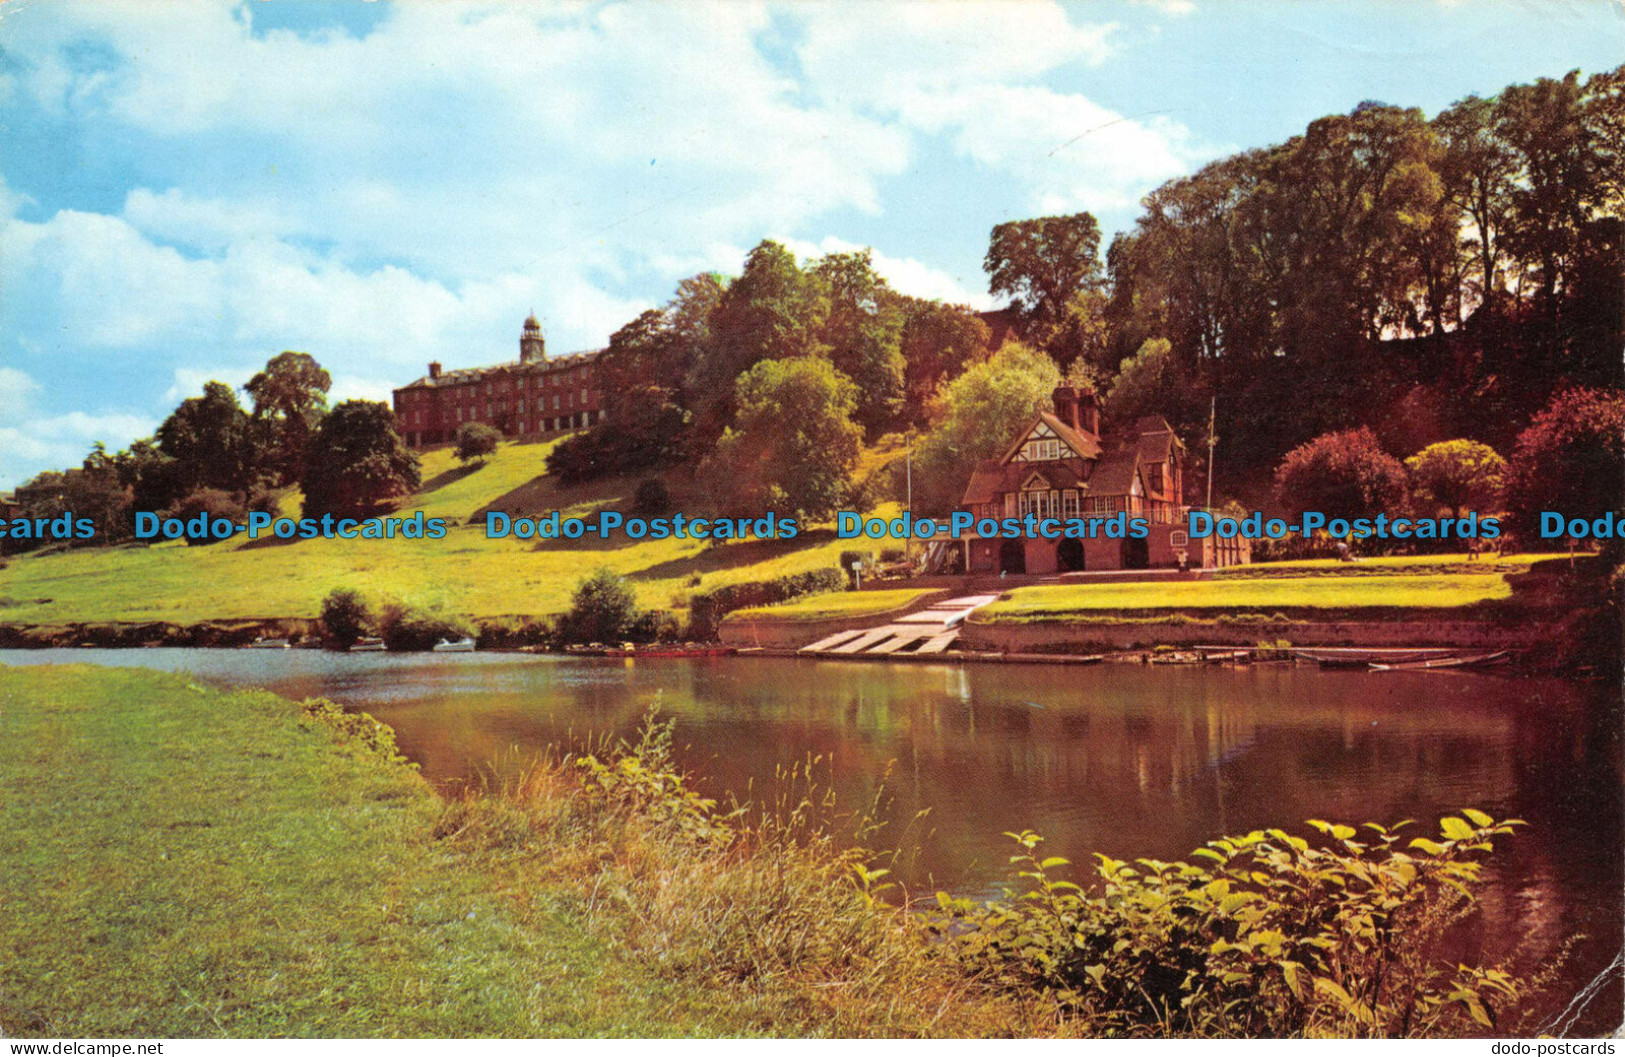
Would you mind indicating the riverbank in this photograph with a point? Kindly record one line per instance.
(185, 861)
(188, 861)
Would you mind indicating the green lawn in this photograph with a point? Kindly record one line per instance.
(463, 573)
(1456, 564)
(835, 604)
(1060, 602)
(182, 861)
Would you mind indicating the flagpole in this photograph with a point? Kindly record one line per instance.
(1212, 410)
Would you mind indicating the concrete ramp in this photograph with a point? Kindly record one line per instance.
(865, 640)
(931, 630)
(832, 641)
(903, 637)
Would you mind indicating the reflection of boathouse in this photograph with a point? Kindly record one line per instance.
(1059, 466)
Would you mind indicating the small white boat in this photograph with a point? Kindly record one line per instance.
(267, 644)
(462, 645)
(367, 645)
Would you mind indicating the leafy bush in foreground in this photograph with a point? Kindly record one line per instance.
(773, 906)
(1275, 937)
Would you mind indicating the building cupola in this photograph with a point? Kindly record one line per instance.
(532, 349)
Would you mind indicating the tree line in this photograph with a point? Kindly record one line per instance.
(1429, 280)
(211, 456)
(1382, 284)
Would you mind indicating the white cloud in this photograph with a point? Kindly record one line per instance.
(15, 389)
(189, 382)
(905, 274)
(408, 195)
(63, 441)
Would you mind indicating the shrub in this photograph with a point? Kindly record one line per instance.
(476, 440)
(1272, 936)
(213, 502)
(345, 617)
(1342, 475)
(707, 609)
(406, 628)
(603, 609)
(651, 498)
(1571, 459)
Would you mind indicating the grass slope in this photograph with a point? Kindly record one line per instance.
(1332, 593)
(463, 573)
(834, 604)
(182, 861)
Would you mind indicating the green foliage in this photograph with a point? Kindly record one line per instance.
(354, 730)
(208, 437)
(357, 463)
(1458, 474)
(863, 332)
(1342, 475)
(938, 343)
(1142, 381)
(651, 498)
(1269, 936)
(1571, 459)
(983, 409)
(408, 628)
(793, 446)
(1044, 263)
(345, 617)
(706, 609)
(641, 778)
(604, 609)
(290, 398)
(212, 502)
(772, 311)
(475, 441)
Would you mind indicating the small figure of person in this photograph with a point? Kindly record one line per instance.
(1344, 553)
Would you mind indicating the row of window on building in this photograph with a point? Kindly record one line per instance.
(1067, 503)
(471, 412)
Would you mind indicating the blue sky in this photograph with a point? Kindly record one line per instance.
(188, 189)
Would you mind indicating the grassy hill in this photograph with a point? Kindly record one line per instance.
(463, 573)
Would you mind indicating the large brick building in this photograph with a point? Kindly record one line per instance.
(532, 397)
(1059, 466)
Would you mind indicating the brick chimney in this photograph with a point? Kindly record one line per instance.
(1089, 412)
(434, 369)
(1066, 405)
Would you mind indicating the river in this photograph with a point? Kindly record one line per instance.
(1125, 760)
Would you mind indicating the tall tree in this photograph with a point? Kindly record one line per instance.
(982, 410)
(209, 440)
(863, 331)
(1477, 169)
(793, 447)
(1043, 265)
(939, 342)
(356, 462)
(772, 311)
(290, 397)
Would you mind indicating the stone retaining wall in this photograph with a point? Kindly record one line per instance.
(1035, 637)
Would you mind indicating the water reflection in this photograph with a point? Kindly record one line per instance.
(1119, 759)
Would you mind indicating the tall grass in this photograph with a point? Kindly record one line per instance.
(771, 906)
(776, 909)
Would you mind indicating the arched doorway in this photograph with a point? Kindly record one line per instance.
(1069, 556)
(1136, 553)
(1012, 557)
